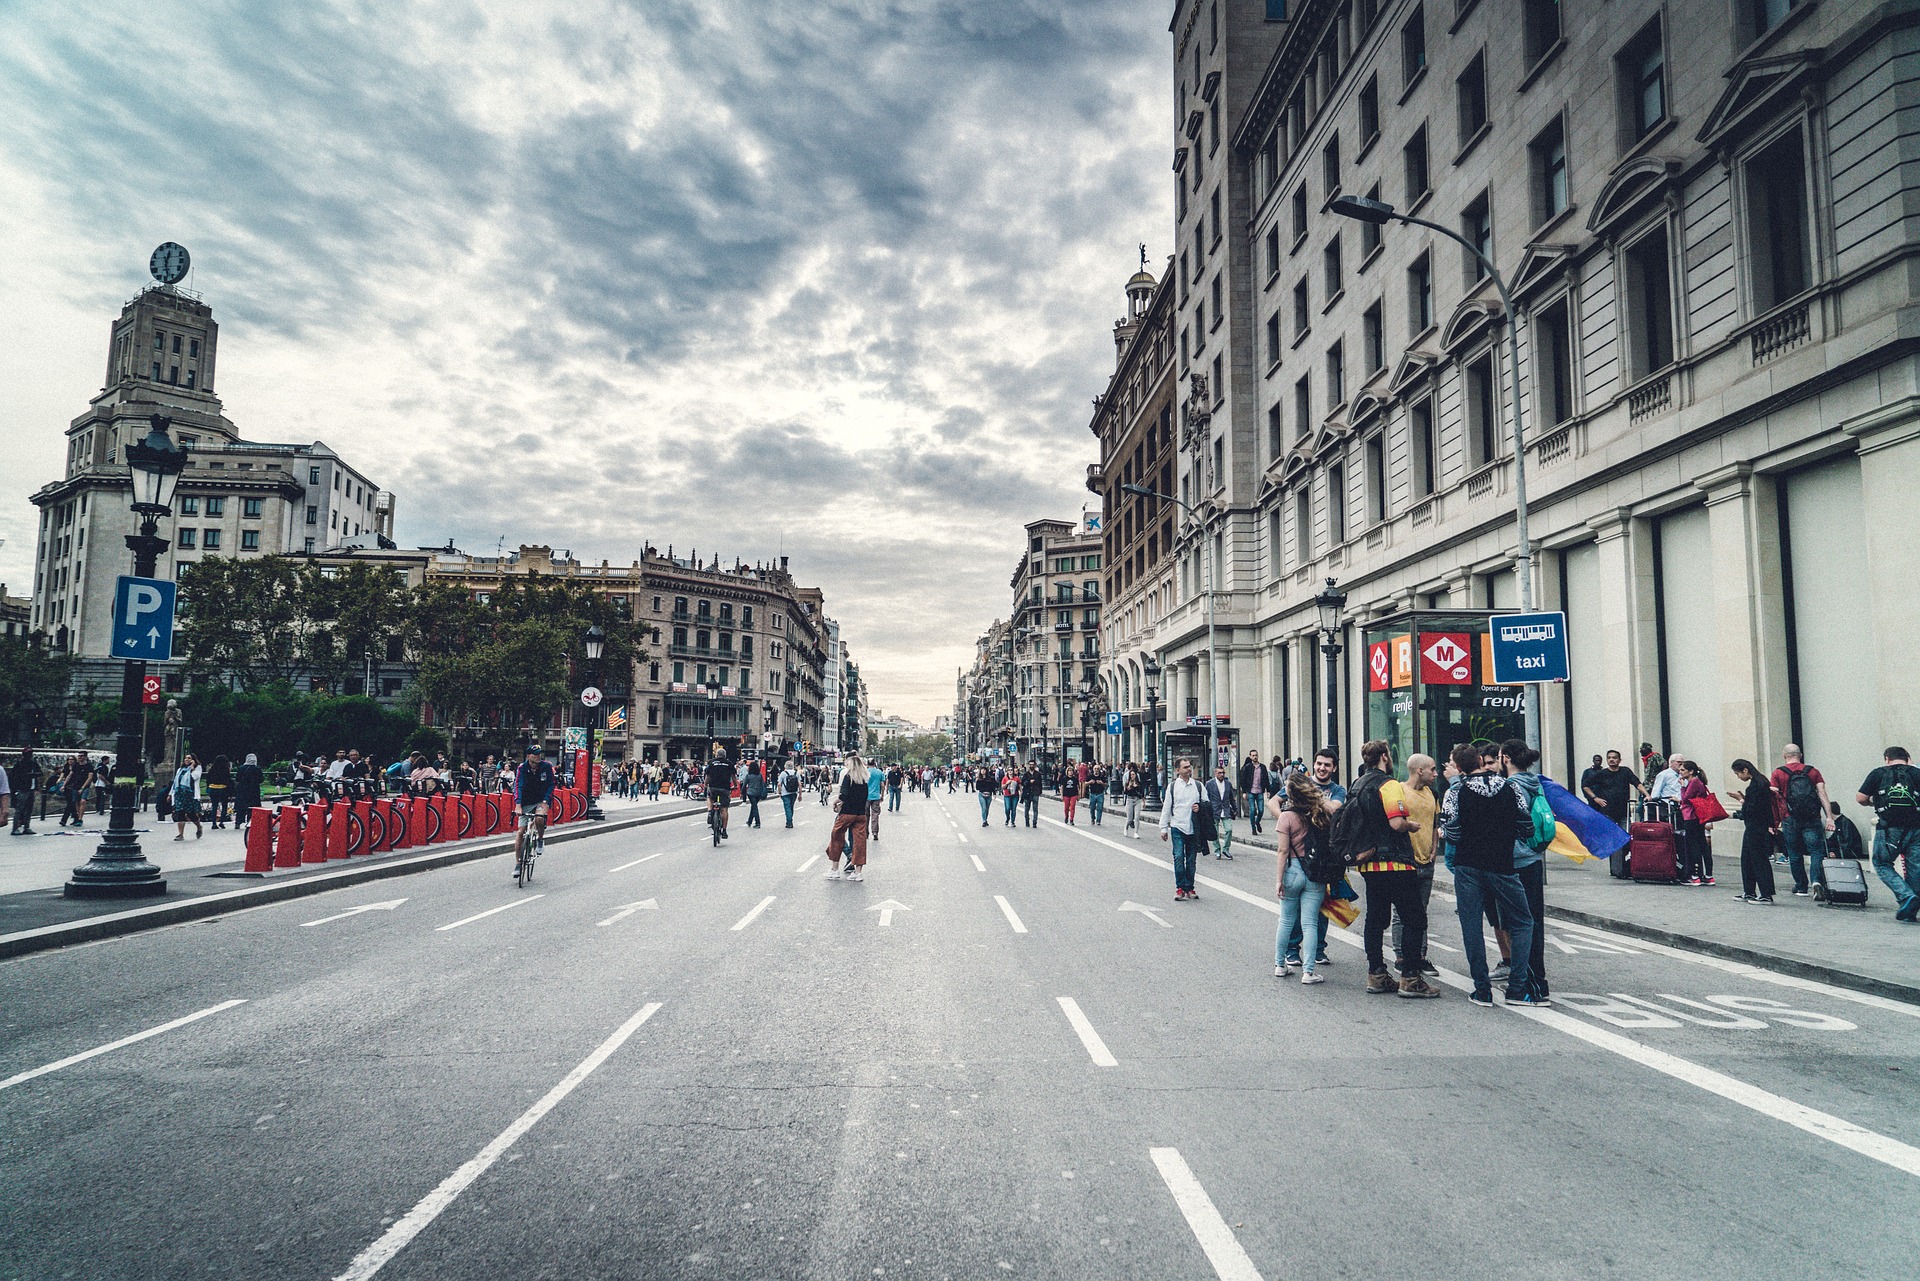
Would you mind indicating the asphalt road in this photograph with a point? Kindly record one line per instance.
(758, 1073)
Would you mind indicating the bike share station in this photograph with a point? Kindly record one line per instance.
(1440, 678)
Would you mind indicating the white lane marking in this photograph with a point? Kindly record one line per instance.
(1230, 1262)
(804, 866)
(962, 835)
(492, 911)
(1820, 1124)
(1444, 947)
(395, 1239)
(978, 866)
(644, 905)
(637, 862)
(1149, 913)
(388, 906)
(84, 1055)
(758, 908)
(887, 909)
(1097, 1048)
(1006, 909)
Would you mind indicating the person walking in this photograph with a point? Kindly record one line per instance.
(1255, 783)
(73, 789)
(102, 783)
(1132, 788)
(247, 781)
(851, 805)
(754, 788)
(985, 787)
(1423, 807)
(24, 777)
(1030, 787)
(1010, 795)
(1893, 790)
(1302, 833)
(1809, 818)
(1756, 842)
(895, 782)
(1183, 804)
(1069, 793)
(1321, 776)
(1097, 793)
(219, 780)
(1380, 824)
(1220, 797)
(876, 788)
(185, 792)
(789, 789)
(1482, 817)
(1529, 861)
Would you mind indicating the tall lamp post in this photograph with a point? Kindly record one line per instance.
(1043, 735)
(1378, 213)
(766, 728)
(1084, 698)
(1213, 664)
(596, 644)
(118, 868)
(713, 698)
(1152, 668)
(1329, 602)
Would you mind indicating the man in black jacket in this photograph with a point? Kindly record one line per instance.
(1483, 814)
(1256, 784)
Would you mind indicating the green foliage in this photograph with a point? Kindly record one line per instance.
(921, 749)
(425, 738)
(102, 716)
(30, 678)
(274, 723)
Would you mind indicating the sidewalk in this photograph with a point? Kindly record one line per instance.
(1864, 949)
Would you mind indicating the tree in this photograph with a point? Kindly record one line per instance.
(31, 679)
(252, 621)
(358, 606)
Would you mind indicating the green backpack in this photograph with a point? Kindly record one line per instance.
(1545, 828)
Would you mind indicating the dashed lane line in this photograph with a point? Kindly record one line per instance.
(637, 862)
(492, 911)
(978, 866)
(1083, 1028)
(804, 866)
(758, 908)
(124, 1041)
(1230, 1262)
(1013, 918)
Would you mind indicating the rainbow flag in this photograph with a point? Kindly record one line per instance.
(1583, 831)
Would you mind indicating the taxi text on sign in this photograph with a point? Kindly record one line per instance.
(143, 618)
(1528, 647)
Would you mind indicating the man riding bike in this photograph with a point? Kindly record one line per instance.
(719, 779)
(532, 791)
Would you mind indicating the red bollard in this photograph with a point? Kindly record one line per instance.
(380, 840)
(286, 836)
(362, 842)
(490, 813)
(313, 834)
(259, 841)
(337, 825)
(463, 804)
(449, 817)
(400, 823)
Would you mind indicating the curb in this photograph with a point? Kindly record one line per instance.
(135, 920)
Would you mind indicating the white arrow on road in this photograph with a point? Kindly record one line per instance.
(887, 909)
(644, 905)
(355, 911)
(1148, 912)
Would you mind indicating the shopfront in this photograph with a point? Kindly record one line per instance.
(1429, 684)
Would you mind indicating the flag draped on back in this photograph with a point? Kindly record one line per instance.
(1583, 831)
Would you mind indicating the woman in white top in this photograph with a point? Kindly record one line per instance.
(186, 798)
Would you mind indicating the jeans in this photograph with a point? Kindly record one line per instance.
(1097, 802)
(1889, 843)
(1183, 859)
(1222, 835)
(1472, 888)
(1387, 891)
(1030, 810)
(873, 818)
(1256, 810)
(1696, 855)
(893, 798)
(1133, 813)
(753, 811)
(1805, 839)
(1533, 880)
(986, 807)
(1300, 901)
(786, 803)
(1426, 898)
(1012, 804)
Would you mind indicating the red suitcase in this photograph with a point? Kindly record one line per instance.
(1652, 850)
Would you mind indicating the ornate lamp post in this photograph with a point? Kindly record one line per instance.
(596, 642)
(1152, 669)
(1043, 735)
(713, 697)
(118, 869)
(1329, 602)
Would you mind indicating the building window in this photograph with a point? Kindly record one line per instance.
(1369, 111)
(173, 373)
(1483, 414)
(1219, 462)
(216, 506)
(313, 475)
(1376, 480)
(1547, 158)
(1762, 16)
(1426, 465)
(1200, 326)
(1336, 280)
(1776, 198)
(1542, 23)
(159, 340)
(308, 546)
(193, 348)
(1649, 305)
(1642, 74)
(1470, 98)
(1276, 10)
(1299, 215)
(1302, 525)
(176, 344)
(1413, 47)
(1476, 224)
(653, 715)
(1413, 158)
(1273, 339)
(190, 380)
(189, 506)
(1420, 294)
(250, 508)
(1553, 356)
(1337, 374)
(1219, 311)
(1273, 432)
(1370, 231)
(249, 540)
(1302, 408)
(1330, 166)
(1301, 319)
(1273, 252)
(187, 537)
(156, 371)
(1219, 381)
(704, 609)
(1219, 225)
(1373, 337)
(1337, 504)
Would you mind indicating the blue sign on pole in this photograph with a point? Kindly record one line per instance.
(1529, 648)
(1113, 722)
(143, 618)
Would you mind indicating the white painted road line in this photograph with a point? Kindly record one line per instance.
(395, 1239)
(492, 911)
(1846, 1134)
(1230, 1262)
(1012, 918)
(388, 906)
(978, 866)
(628, 909)
(804, 866)
(962, 835)
(637, 862)
(123, 1041)
(759, 907)
(1096, 1048)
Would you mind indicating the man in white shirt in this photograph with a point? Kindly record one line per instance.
(1667, 784)
(337, 768)
(1184, 796)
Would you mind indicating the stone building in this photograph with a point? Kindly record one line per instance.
(984, 698)
(16, 614)
(1055, 628)
(1703, 217)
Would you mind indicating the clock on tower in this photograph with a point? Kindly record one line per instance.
(169, 263)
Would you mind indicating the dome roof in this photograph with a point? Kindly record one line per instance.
(1142, 278)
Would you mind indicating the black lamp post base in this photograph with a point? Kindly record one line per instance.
(136, 880)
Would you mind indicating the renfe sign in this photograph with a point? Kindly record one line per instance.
(1528, 648)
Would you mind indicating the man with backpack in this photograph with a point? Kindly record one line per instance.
(789, 789)
(1804, 828)
(1482, 818)
(1529, 860)
(1894, 792)
(1372, 832)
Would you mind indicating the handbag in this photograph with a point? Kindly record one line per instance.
(1708, 809)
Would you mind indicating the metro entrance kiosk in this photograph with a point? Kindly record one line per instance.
(1190, 741)
(1429, 682)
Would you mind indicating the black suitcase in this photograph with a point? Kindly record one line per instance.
(1846, 882)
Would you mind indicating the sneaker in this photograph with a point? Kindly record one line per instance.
(1194, 894)
(1282, 971)
(1311, 977)
(1708, 880)
(1481, 996)
(1531, 1001)
(1428, 967)
(1502, 971)
(1803, 894)
(833, 873)
(1908, 912)
(1322, 959)
(1693, 880)
(1227, 857)
(1381, 984)
(856, 875)
(1764, 902)
(1742, 898)
(1417, 988)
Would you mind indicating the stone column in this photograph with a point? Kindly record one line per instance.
(1889, 445)
(1628, 690)
(1749, 645)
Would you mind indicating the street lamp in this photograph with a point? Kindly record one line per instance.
(1378, 212)
(118, 869)
(1152, 669)
(595, 642)
(1043, 735)
(1213, 667)
(713, 697)
(766, 728)
(1329, 602)
(1083, 696)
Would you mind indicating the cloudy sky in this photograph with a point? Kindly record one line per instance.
(833, 279)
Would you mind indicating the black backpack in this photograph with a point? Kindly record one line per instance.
(1353, 836)
(1900, 797)
(1322, 864)
(1803, 798)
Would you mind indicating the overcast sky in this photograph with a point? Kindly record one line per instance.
(834, 279)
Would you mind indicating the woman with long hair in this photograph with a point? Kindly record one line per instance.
(1756, 845)
(850, 822)
(1699, 842)
(1302, 831)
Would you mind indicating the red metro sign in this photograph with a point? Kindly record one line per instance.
(1446, 658)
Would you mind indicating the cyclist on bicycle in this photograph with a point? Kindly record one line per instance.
(532, 790)
(719, 779)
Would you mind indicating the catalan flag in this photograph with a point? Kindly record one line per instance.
(1583, 832)
(1342, 905)
(617, 717)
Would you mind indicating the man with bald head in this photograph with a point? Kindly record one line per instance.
(1809, 819)
(1423, 804)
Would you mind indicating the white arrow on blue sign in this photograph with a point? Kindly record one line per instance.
(143, 618)
(1529, 648)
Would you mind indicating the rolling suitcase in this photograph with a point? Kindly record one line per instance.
(1652, 849)
(1846, 882)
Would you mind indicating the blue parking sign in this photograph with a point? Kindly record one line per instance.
(1529, 648)
(143, 618)
(1113, 722)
